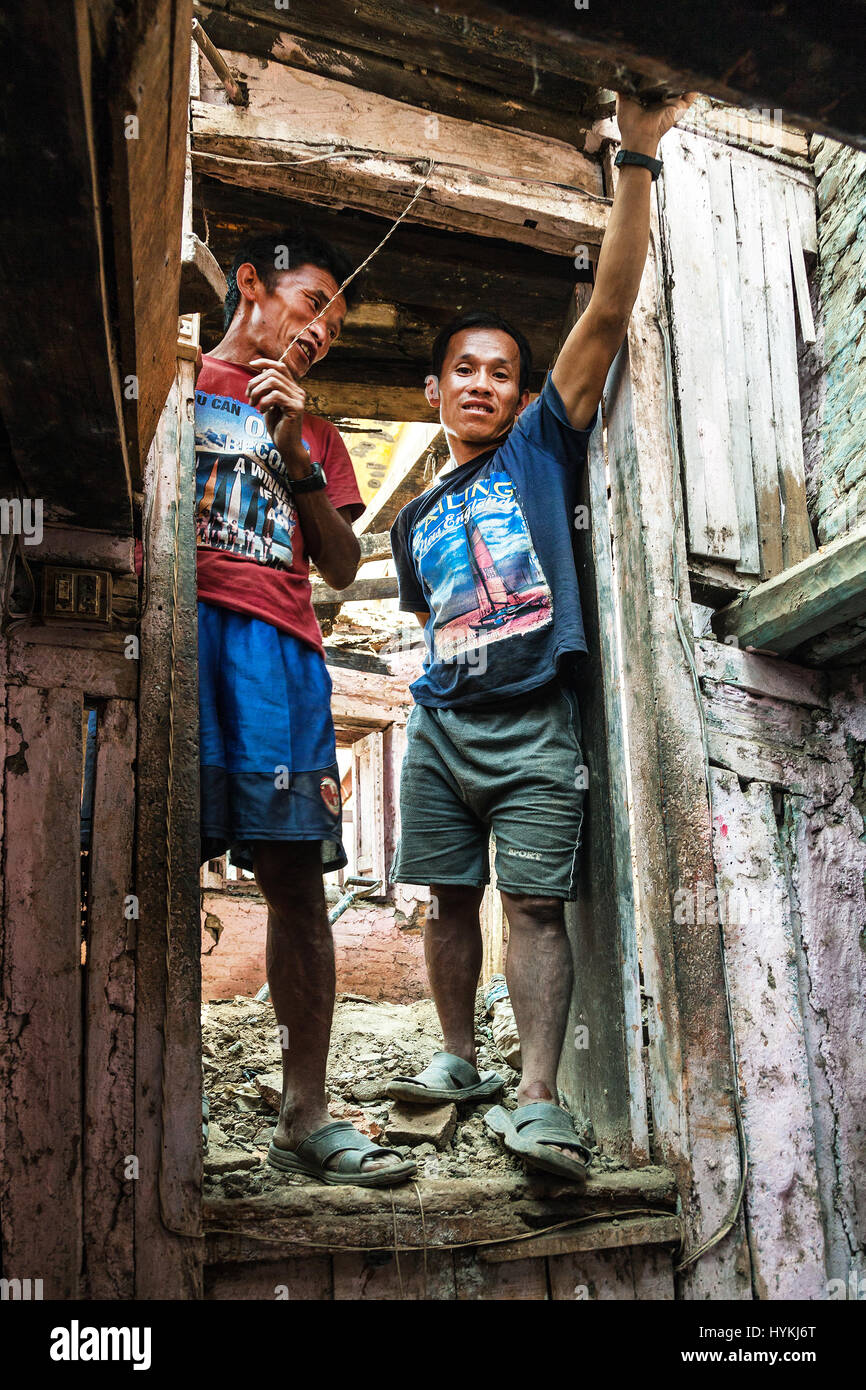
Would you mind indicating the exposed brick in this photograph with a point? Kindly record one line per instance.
(421, 1124)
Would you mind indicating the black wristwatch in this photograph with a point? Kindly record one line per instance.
(645, 160)
(314, 482)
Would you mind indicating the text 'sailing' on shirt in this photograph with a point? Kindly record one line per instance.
(488, 551)
(250, 546)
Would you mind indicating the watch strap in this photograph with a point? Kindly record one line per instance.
(314, 481)
(645, 160)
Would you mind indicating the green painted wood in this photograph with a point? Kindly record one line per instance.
(826, 589)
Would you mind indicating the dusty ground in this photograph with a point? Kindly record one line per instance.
(370, 1043)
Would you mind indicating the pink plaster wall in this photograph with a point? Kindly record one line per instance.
(375, 956)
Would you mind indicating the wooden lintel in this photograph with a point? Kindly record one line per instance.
(362, 591)
(254, 153)
(824, 590)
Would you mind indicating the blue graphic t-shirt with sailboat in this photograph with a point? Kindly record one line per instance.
(488, 552)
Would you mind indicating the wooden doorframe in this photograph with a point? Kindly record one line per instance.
(690, 1070)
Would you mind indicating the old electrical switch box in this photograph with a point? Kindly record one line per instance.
(76, 596)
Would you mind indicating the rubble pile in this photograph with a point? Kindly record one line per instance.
(370, 1043)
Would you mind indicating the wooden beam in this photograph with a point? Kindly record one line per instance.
(826, 589)
(362, 591)
(594, 1235)
(168, 967)
(201, 280)
(408, 82)
(689, 1058)
(301, 106)
(227, 146)
(744, 54)
(408, 35)
(293, 1218)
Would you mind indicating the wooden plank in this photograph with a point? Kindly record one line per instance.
(772, 741)
(201, 280)
(109, 1097)
(797, 539)
(41, 1124)
(592, 1275)
(368, 821)
(826, 852)
(786, 1237)
(474, 54)
(456, 1211)
(744, 56)
(168, 968)
(601, 1070)
(298, 1278)
(361, 1277)
(286, 103)
(761, 675)
(361, 591)
(746, 180)
(698, 348)
(595, 1235)
(85, 548)
(59, 329)
(718, 166)
(519, 1280)
(798, 265)
(544, 216)
(827, 588)
(145, 194)
(689, 1061)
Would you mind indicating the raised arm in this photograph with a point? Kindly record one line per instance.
(583, 364)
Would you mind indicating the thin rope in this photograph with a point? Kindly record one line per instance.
(357, 271)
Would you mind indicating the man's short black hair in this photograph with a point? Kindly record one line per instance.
(287, 250)
(483, 318)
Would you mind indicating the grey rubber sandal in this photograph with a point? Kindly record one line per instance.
(529, 1130)
(446, 1078)
(344, 1139)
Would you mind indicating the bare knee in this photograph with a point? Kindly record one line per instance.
(454, 902)
(528, 913)
(289, 876)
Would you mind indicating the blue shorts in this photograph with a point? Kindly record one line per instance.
(268, 753)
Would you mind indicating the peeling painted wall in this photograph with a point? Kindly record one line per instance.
(790, 855)
(833, 373)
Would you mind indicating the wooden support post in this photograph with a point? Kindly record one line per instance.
(601, 1070)
(168, 978)
(690, 1065)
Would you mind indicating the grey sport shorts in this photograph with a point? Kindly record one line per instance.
(516, 769)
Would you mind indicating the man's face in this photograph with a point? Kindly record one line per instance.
(278, 314)
(479, 394)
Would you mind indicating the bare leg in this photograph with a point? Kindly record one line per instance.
(540, 976)
(301, 975)
(453, 951)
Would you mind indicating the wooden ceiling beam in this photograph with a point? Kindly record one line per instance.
(284, 103)
(802, 58)
(411, 33)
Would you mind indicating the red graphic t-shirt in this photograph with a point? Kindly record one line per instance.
(251, 553)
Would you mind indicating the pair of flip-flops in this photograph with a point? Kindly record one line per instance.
(530, 1132)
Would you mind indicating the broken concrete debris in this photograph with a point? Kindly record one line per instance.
(370, 1043)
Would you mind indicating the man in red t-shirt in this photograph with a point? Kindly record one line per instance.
(275, 488)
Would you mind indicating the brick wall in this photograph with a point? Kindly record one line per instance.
(377, 953)
(835, 401)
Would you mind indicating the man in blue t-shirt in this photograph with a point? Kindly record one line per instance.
(485, 560)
